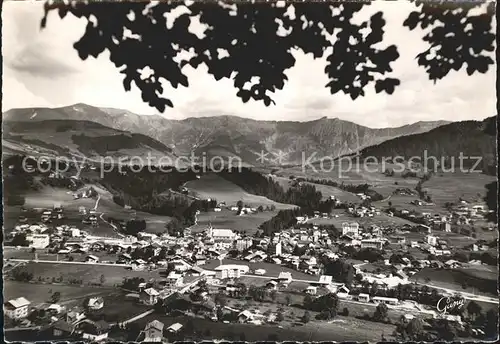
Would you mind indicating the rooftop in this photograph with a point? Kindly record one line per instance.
(19, 302)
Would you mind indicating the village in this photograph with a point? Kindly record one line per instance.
(208, 271)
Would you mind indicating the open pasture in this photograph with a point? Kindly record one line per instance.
(470, 280)
(449, 187)
(247, 224)
(39, 293)
(215, 187)
(88, 273)
(382, 220)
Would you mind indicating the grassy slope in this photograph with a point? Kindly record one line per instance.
(213, 186)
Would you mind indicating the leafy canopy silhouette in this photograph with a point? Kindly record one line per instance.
(259, 39)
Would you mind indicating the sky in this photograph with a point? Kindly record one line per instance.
(42, 69)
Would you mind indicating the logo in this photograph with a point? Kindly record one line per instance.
(447, 304)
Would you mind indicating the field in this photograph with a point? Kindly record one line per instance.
(443, 187)
(39, 293)
(325, 190)
(448, 187)
(247, 224)
(25, 253)
(216, 187)
(481, 282)
(382, 220)
(113, 275)
(351, 172)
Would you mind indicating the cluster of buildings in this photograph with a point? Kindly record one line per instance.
(362, 211)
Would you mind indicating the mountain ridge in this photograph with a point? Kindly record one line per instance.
(232, 135)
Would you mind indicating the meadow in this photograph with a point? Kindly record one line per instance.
(39, 293)
(481, 282)
(215, 187)
(89, 274)
(449, 187)
(245, 224)
(382, 220)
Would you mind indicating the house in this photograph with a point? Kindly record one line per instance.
(16, 308)
(245, 316)
(173, 280)
(153, 332)
(431, 240)
(138, 265)
(38, 241)
(197, 271)
(285, 277)
(301, 219)
(95, 303)
(92, 259)
(425, 228)
(55, 308)
(221, 234)
(275, 249)
(386, 300)
(75, 315)
(342, 290)
(399, 240)
(243, 244)
(325, 279)
(364, 297)
(200, 260)
(62, 329)
(372, 243)
(124, 258)
(94, 330)
(351, 229)
(401, 275)
(260, 272)
(174, 328)
(445, 226)
(180, 265)
(311, 290)
(231, 271)
(149, 296)
(272, 285)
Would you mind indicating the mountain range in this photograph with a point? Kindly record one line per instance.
(95, 131)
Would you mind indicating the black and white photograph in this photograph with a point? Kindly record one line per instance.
(249, 171)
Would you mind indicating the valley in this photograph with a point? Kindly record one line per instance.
(310, 249)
